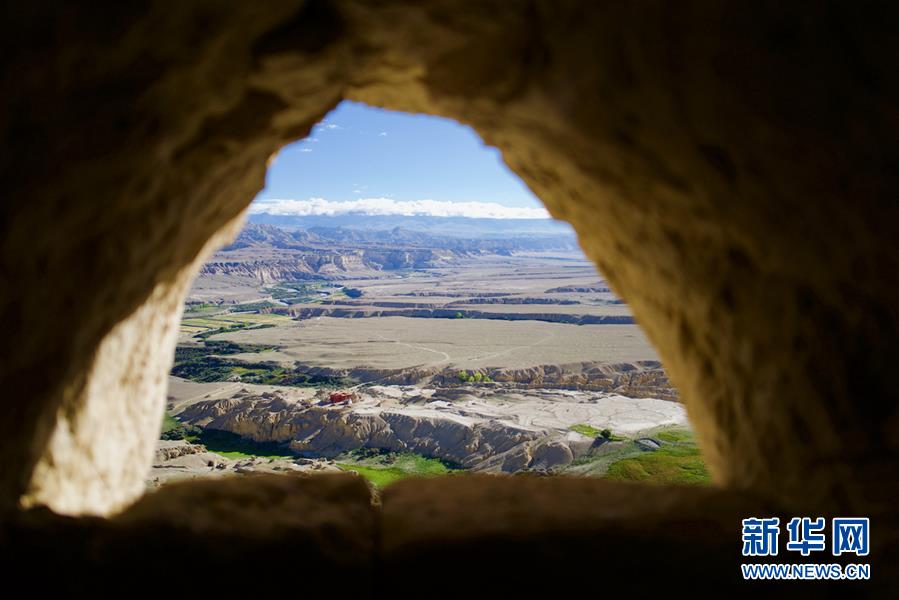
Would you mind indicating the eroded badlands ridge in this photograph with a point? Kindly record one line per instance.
(480, 429)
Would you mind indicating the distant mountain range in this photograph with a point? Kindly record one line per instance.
(396, 238)
(269, 253)
(455, 227)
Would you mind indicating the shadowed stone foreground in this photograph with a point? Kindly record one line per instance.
(267, 534)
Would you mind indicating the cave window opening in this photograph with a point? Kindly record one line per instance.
(396, 272)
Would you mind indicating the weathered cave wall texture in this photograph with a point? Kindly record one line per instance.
(732, 167)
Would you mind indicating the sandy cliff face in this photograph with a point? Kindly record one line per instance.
(640, 379)
(473, 442)
(298, 266)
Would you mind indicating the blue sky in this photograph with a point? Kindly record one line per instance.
(371, 157)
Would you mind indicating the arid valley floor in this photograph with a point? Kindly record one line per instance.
(397, 354)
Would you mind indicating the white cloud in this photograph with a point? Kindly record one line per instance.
(305, 149)
(323, 128)
(383, 134)
(388, 206)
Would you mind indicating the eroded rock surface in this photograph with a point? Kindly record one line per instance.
(482, 430)
(168, 450)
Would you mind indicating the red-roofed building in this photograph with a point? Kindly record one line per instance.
(341, 396)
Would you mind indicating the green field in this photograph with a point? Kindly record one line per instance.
(668, 465)
(206, 322)
(211, 367)
(201, 309)
(677, 461)
(675, 435)
(384, 468)
(169, 423)
(591, 431)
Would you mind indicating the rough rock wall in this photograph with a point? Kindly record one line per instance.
(732, 172)
(128, 142)
(107, 427)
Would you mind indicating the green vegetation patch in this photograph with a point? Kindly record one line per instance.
(382, 468)
(173, 429)
(677, 461)
(206, 322)
(675, 435)
(234, 446)
(668, 465)
(207, 369)
(205, 364)
(252, 306)
(473, 377)
(596, 464)
(238, 326)
(591, 431)
(299, 292)
(191, 329)
(584, 429)
(218, 347)
(204, 325)
(169, 423)
(201, 309)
